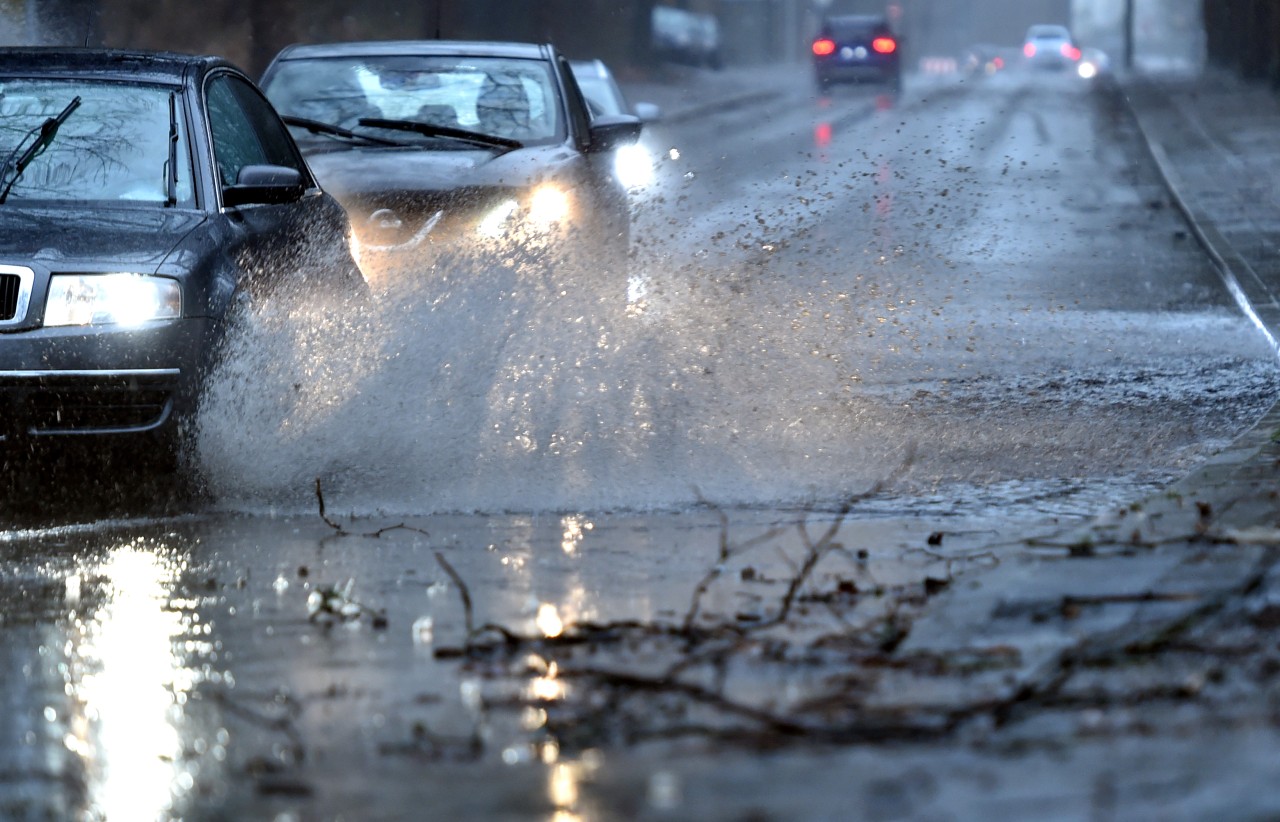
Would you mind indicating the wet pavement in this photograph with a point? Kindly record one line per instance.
(1125, 668)
(1119, 668)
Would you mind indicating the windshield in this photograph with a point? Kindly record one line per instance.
(509, 98)
(113, 147)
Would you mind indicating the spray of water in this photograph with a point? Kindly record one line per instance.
(481, 384)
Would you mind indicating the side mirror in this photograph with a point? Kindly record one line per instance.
(648, 112)
(613, 131)
(264, 184)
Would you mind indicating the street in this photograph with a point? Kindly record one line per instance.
(534, 544)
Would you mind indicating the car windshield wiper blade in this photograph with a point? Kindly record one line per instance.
(47, 131)
(432, 130)
(171, 165)
(321, 127)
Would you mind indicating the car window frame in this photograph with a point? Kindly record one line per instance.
(574, 103)
(272, 118)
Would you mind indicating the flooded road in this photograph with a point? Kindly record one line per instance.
(969, 316)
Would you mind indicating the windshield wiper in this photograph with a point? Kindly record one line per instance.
(432, 130)
(171, 167)
(48, 130)
(321, 127)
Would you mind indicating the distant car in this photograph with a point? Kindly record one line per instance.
(448, 145)
(604, 97)
(682, 36)
(988, 60)
(143, 196)
(1093, 64)
(1050, 47)
(634, 164)
(856, 48)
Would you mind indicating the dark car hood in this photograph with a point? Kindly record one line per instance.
(355, 171)
(140, 238)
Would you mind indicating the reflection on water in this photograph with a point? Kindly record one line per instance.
(562, 788)
(127, 683)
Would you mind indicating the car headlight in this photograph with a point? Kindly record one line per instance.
(494, 224)
(634, 166)
(547, 206)
(101, 299)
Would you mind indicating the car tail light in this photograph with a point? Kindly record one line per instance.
(824, 46)
(884, 45)
(1029, 49)
(1070, 52)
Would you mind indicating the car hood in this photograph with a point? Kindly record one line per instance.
(138, 238)
(353, 172)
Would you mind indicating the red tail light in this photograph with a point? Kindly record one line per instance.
(824, 46)
(1029, 49)
(1070, 52)
(884, 45)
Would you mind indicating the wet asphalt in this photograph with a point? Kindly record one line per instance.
(1124, 668)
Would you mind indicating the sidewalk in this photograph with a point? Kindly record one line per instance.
(1146, 637)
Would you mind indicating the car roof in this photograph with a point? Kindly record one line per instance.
(125, 64)
(387, 48)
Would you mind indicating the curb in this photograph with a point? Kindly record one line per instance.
(1242, 477)
(1239, 277)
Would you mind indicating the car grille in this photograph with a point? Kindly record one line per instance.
(9, 286)
(67, 411)
(15, 291)
(417, 219)
(36, 404)
(10, 292)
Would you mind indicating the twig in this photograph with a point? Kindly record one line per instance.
(320, 499)
(726, 552)
(818, 550)
(462, 592)
(342, 532)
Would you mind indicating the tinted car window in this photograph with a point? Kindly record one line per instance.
(845, 28)
(113, 147)
(233, 104)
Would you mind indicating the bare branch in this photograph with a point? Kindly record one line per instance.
(462, 592)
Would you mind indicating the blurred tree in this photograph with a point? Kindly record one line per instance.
(1244, 35)
(249, 32)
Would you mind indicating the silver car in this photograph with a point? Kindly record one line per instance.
(1050, 47)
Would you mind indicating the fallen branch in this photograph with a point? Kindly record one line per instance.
(342, 532)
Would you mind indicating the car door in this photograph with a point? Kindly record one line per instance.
(302, 242)
(609, 195)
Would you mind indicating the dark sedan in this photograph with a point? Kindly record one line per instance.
(458, 146)
(143, 195)
(856, 48)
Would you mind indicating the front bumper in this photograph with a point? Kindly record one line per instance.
(100, 380)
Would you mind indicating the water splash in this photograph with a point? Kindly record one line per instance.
(528, 386)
